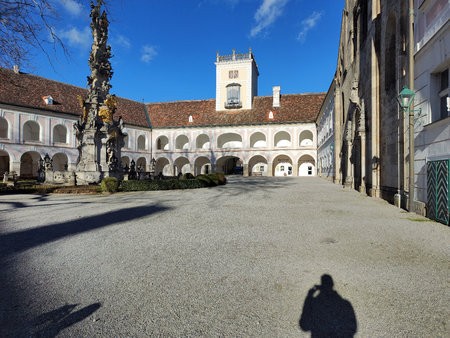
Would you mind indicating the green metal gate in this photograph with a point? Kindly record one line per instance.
(438, 190)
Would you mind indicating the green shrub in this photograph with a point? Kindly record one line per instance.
(110, 184)
(201, 181)
(187, 176)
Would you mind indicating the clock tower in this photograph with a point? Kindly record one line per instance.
(236, 81)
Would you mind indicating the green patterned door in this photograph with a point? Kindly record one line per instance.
(438, 190)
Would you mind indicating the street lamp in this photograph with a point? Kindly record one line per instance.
(406, 99)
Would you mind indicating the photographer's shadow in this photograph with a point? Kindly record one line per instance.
(326, 314)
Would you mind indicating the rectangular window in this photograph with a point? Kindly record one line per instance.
(443, 94)
(233, 74)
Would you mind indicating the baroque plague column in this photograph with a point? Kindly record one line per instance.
(100, 137)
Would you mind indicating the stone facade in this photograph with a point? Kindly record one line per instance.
(371, 130)
(432, 63)
(274, 136)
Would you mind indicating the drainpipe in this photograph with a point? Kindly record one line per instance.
(411, 108)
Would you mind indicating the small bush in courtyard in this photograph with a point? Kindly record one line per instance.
(110, 184)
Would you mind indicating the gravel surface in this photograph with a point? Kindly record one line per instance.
(231, 261)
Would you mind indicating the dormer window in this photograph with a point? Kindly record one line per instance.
(48, 100)
(191, 119)
(233, 96)
(271, 115)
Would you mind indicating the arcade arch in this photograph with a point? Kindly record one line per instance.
(203, 142)
(306, 166)
(163, 167)
(59, 134)
(229, 165)
(31, 131)
(229, 140)
(29, 164)
(282, 166)
(202, 165)
(182, 142)
(4, 162)
(3, 128)
(141, 142)
(306, 138)
(182, 165)
(141, 164)
(60, 162)
(257, 165)
(258, 140)
(282, 139)
(162, 143)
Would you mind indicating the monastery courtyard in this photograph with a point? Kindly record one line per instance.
(233, 261)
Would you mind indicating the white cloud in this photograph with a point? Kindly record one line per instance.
(72, 6)
(148, 53)
(267, 14)
(122, 41)
(309, 23)
(75, 37)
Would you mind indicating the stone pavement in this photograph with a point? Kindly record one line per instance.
(233, 261)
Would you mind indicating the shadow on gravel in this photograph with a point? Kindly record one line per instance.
(50, 324)
(238, 184)
(326, 314)
(19, 241)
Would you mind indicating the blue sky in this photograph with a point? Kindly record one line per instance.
(164, 50)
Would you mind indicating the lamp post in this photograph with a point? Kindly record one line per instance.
(406, 99)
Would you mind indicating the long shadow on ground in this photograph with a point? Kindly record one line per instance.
(15, 242)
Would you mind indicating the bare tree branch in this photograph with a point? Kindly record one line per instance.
(26, 25)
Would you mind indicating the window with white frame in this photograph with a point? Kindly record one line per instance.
(233, 96)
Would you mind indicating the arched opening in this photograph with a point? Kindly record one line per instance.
(141, 164)
(163, 167)
(3, 128)
(60, 162)
(125, 141)
(31, 131)
(162, 143)
(182, 142)
(59, 134)
(282, 166)
(29, 164)
(141, 142)
(306, 166)
(306, 138)
(203, 142)
(258, 166)
(125, 163)
(229, 165)
(229, 140)
(202, 165)
(282, 139)
(4, 162)
(182, 165)
(258, 140)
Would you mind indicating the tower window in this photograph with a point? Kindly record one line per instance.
(233, 96)
(233, 74)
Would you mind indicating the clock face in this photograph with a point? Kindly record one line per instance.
(233, 74)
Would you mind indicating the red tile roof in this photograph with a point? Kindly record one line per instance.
(25, 90)
(294, 108)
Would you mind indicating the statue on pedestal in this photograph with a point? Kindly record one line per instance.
(99, 136)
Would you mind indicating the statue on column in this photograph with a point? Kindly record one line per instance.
(99, 136)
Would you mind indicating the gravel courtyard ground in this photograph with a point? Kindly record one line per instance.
(233, 261)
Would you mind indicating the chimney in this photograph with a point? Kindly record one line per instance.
(276, 96)
(16, 69)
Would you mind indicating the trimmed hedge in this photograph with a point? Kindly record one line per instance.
(201, 181)
(109, 184)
